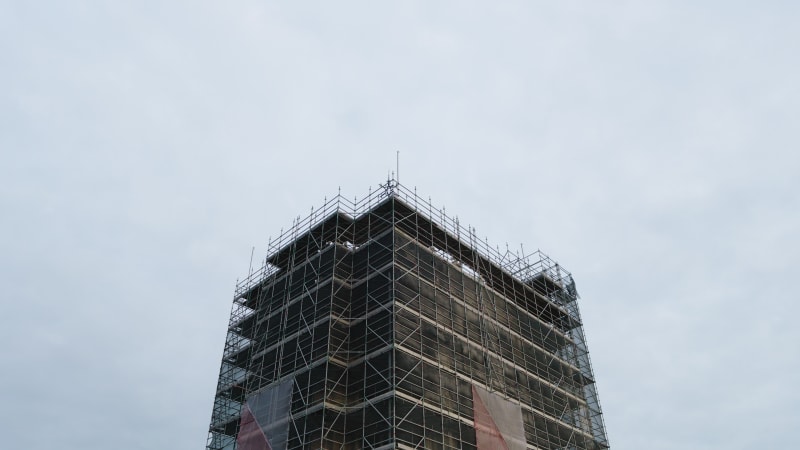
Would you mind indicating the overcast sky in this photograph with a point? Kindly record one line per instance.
(651, 147)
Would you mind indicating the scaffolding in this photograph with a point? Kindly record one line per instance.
(383, 323)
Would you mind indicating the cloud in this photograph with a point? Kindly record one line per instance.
(145, 149)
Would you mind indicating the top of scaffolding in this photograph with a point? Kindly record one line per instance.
(527, 268)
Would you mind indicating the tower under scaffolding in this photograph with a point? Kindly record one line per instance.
(383, 323)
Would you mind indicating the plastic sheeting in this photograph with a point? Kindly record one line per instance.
(251, 437)
(265, 419)
(498, 422)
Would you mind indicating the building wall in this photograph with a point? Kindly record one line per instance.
(390, 338)
(454, 333)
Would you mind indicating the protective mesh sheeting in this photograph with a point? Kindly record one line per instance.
(250, 435)
(498, 422)
(487, 435)
(271, 410)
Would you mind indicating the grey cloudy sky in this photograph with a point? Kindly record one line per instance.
(649, 146)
